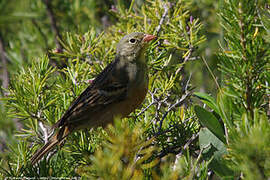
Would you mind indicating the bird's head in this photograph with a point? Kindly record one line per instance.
(132, 45)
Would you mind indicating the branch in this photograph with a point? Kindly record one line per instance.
(192, 139)
(154, 101)
(53, 24)
(212, 74)
(5, 77)
(187, 57)
(178, 102)
(45, 39)
(166, 9)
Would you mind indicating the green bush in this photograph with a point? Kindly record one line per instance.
(172, 135)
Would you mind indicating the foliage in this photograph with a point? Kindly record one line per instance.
(254, 162)
(246, 59)
(243, 101)
(40, 93)
(171, 136)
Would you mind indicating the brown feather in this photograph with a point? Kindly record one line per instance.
(53, 141)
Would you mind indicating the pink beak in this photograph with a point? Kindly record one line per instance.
(148, 37)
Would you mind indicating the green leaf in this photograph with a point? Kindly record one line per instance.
(208, 100)
(213, 147)
(208, 120)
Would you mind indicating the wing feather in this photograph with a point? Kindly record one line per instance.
(104, 90)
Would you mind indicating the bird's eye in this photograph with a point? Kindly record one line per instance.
(132, 40)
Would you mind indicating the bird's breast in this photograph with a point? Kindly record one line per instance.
(135, 97)
(136, 89)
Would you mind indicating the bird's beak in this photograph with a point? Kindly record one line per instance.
(148, 37)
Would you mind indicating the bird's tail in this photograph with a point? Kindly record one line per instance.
(53, 141)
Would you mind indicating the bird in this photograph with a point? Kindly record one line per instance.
(115, 92)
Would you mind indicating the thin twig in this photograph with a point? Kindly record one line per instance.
(210, 71)
(53, 25)
(187, 83)
(154, 101)
(5, 77)
(142, 111)
(194, 136)
(171, 126)
(45, 39)
(187, 58)
(166, 9)
(177, 103)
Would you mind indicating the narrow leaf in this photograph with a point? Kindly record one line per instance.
(208, 120)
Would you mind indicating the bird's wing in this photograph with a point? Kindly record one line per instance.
(104, 90)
